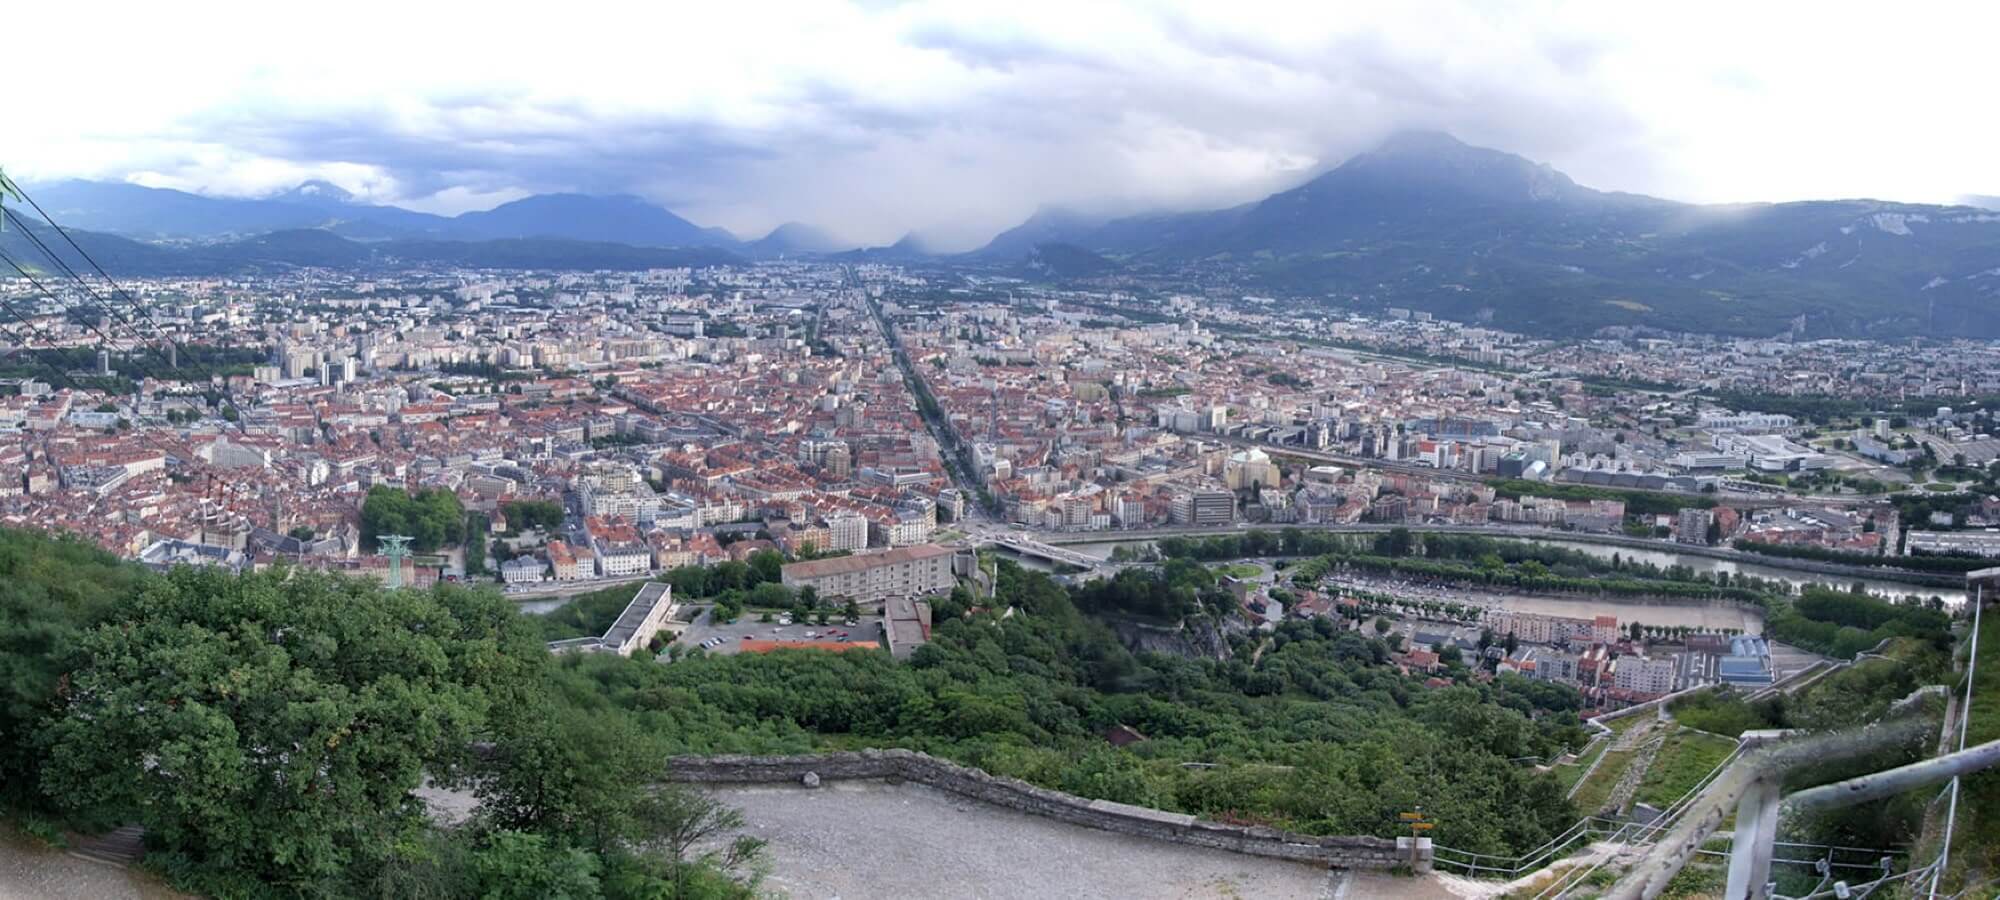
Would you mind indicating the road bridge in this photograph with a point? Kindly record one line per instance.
(1023, 546)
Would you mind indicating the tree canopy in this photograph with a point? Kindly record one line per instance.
(432, 517)
(269, 732)
(274, 725)
(523, 515)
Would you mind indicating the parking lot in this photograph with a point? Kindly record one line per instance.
(729, 638)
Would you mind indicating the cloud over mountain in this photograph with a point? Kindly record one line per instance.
(958, 120)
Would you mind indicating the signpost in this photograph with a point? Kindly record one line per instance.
(1418, 825)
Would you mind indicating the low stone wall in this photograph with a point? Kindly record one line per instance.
(1020, 796)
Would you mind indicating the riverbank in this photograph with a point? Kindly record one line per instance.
(1699, 613)
(1903, 577)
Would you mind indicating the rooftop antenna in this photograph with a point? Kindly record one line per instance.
(395, 547)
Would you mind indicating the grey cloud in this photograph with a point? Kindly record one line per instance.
(1057, 126)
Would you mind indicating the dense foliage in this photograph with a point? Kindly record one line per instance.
(524, 515)
(244, 715)
(585, 615)
(1915, 562)
(1842, 624)
(268, 731)
(1170, 593)
(52, 592)
(1863, 693)
(432, 518)
(1520, 565)
(1980, 807)
(1319, 734)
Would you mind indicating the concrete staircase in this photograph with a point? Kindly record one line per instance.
(120, 847)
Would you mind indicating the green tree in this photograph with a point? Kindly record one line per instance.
(589, 780)
(770, 594)
(766, 566)
(53, 591)
(273, 726)
(690, 582)
(569, 774)
(523, 515)
(729, 575)
(475, 544)
(432, 517)
(515, 865)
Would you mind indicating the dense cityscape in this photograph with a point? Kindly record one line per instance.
(1133, 450)
(683, 418)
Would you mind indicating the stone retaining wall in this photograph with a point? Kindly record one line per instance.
(1009, 793)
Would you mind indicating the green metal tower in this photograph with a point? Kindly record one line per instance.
(396, 547)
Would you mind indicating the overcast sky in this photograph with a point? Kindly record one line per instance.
(958, 119)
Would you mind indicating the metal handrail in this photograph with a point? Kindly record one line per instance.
(1543, 854)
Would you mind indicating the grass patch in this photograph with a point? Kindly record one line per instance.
(1597, 788)
(1976, 846)
(1624, 724)
(587, 615)
(1240, 570)
(1685, 758)
(1567, 775)
(1697, 881)
(1719, 712)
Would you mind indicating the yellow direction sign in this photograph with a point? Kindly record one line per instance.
(1421, 826)
(1412, 817)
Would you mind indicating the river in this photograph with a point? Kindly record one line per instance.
(1882, 586)
(1663, 557)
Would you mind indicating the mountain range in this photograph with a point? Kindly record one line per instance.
(1422, 221)
(147, 213)
(295, 248)
(1426, 222)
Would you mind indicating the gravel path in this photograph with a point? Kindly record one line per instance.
(29, 871)
(853, 840)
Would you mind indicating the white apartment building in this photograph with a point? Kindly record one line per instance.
(1646, 675)
(847, 531)
(872, 577)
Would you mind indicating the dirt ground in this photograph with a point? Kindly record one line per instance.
(28, 870)
(857, 840)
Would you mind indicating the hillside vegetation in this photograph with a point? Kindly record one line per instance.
(268, 732)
